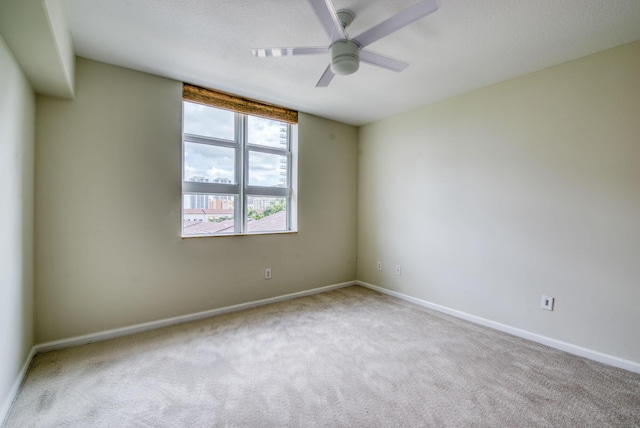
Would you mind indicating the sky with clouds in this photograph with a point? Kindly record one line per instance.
(211, 162)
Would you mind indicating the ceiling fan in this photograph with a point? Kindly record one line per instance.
(346, 53)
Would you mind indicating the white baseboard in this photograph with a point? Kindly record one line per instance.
(125, 331)
(138, 328)
(15, 387)
(554, 343)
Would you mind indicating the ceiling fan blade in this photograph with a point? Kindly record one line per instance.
(382, 61)
(326, 78)
(402, 19)
(265, 52)
(328, 18)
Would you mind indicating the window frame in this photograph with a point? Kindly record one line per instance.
(240, 190)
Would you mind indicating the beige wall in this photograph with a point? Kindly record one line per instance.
(38, 34)
(108, 246)
(528, 187)
(487, 201)
(17, 126)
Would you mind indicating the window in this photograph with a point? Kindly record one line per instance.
(238, 169)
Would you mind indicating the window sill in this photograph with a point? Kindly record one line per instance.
(285, 232)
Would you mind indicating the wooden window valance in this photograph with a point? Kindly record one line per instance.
(238, 104)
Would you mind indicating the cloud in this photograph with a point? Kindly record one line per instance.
(213, 173)
(208, 121)
(264, 169)
(264, 132)
(215, 162)
(201, 160)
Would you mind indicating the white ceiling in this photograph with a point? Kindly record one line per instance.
(467, 44)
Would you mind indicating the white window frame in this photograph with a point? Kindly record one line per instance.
(241, 191)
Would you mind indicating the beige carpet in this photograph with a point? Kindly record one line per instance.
(346, 358)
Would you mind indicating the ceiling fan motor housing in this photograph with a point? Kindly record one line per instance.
(344, 57)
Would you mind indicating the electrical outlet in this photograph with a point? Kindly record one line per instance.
(547, 303)
(379, 265)
(267, 273)
(398, 270)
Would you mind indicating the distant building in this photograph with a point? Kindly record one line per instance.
(198, 201)
(284, 138)
(259, 204)
(205, 201)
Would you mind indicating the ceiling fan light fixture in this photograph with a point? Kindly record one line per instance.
(346, 52)
(344, 57)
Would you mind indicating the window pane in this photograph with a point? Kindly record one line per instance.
(266, 169)
(204, 163)
(207, 214)
(208, 121)
(266, 214)
(265, 132)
